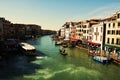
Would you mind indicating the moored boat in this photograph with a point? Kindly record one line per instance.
(58, 42)
(101, 59)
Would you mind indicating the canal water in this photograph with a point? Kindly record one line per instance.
(51, 65)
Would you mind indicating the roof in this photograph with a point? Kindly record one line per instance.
(84, 22)
(92, 21)
(110, 18)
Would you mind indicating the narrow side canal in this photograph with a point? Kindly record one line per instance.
(51, 65)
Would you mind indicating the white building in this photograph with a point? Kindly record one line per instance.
(67, 34)
(98, 35)
(62, 30)
(67, 31)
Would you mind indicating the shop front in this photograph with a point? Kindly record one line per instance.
(113, 50)
(93, 48)
(73, 41)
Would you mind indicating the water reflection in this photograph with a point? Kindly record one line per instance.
(17, 66)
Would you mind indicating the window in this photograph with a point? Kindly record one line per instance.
(80, 26)
(113, 25)
(84, 26)
(90, 38)
(84, 31)
(108, 32)
(113, 32)
(117, 32)
(112, 41)
(118, 41)
(118, 16)
(80, 35)
(109, 25)
(108, 40)
(118, 24)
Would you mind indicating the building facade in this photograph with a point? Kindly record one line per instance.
(98, 35)
(9, 30)
(1, 30)
(85, 26)
(67, 31)
(62, 32)
(79, 31)
(112, 43)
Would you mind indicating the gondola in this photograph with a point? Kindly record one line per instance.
(63, 52)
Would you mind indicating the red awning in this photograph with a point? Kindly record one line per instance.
(74, 39)
(95, 44)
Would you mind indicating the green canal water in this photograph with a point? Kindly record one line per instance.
(51, 65)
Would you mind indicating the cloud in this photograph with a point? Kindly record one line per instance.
(101, 12)
(105, 11)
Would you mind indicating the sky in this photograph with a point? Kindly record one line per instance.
(52, 14)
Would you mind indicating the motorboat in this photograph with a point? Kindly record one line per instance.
(27, 49)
